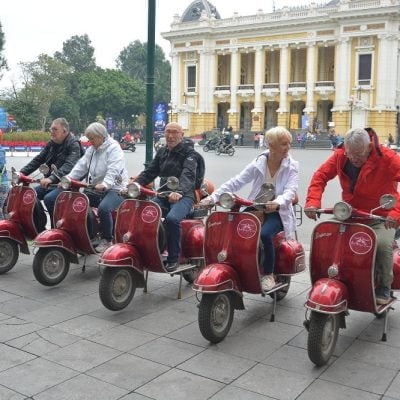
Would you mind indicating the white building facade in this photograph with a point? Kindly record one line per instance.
(335, 65)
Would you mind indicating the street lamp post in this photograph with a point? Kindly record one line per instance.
(351, 105)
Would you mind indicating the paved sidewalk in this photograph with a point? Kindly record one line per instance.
(61, 343)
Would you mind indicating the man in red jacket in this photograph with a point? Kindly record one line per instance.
(366, 171)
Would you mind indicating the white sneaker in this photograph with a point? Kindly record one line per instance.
(103, 245)
(267, 282)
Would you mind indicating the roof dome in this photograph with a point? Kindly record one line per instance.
(196, 8)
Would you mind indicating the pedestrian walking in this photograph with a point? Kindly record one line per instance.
(256, 140)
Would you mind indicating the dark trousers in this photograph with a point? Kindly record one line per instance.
(49, 198)
(270, 228)
(176, 213)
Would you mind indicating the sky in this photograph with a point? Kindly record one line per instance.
(32, 27)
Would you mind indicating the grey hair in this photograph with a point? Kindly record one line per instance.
(63, 123)
(97, 129)
(356, 138)
(274, 134)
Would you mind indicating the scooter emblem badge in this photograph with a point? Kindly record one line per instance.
(79, 205)
(246, 228)
(149, 214)
(360, 243)
(28, 197)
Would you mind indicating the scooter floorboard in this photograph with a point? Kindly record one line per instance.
(183, 268)
(278, 286)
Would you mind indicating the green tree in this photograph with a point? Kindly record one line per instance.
(132, 60)
(3, 63)
(77, 53)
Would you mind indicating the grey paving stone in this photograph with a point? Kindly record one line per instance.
(243, 345)
(167, 351)
(85, 326)
(159, 323)
(376, 354)
(47, 316)
(123, 338)
(320, 389)
(273, 382)
(83, 304)
(293, 359)
(35, 376)
(14, 327)
(20, 305)
(82, 355)
(234, 393)
(359, 375)
(171, 291)
(7, 394)
(179, 385)
(394, 388)
(218, 366)
(135, 396)
(10, 357)
(4, 316)
(82, 387)
(190, 334)
(374, 331)
(5, 296)
(128, 371)
(289, 316)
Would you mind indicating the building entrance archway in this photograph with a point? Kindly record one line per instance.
(270, 114)
(245, 115)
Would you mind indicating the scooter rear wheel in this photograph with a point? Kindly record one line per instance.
(117, 287)
(281, 293)
(322, 336)
(50, 265)
(215, 315)
(9, 253)
(231, 152)
(206, 148)
(132, 149)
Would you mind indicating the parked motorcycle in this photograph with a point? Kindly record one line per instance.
(233, 252)
(22, 221)
(343, 277)
(76, 233)
(140, 247)
(210, 144)
(128, 146)
(224, 148)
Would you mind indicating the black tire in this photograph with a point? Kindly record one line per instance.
(9, 252)
(190, 276)
(322, 337)
(281, 294)
(231, 152)
(117, 287)
(215, 315)
(50, 265)
(133, 149)
(206, 148)
(217, 151)
(380, 315)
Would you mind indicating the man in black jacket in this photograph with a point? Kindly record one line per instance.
(63, 150)
(178, 159)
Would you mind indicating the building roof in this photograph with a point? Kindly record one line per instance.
(198, 8)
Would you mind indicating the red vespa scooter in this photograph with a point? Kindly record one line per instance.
(76, 232)
(343, 277)
(232, 257)
(21, 223)
(140, 242)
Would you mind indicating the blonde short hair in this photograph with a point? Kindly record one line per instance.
(278, 132)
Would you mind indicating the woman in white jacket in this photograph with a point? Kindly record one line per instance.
(273, 166)
(102, 163)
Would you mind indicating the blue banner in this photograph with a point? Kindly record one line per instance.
(110, 124)
(305, 121)
(160, 116)
(3, 119)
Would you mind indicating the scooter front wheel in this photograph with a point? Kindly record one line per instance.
(133, 149)
(322, 336)
(206, 148)
(117, 287)
(215, 315)
(231, 152)
(50, 265)
(9, 253)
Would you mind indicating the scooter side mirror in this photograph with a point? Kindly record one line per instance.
(387, 201)
(44, 169)
(266, 193)
(172, 183)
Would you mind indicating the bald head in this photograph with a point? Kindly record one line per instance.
(173, 134)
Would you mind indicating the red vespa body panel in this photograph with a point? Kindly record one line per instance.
(351, 248)
(396, 270)
(121, 255)
(328, 296)
(140, 230)
(232, 238)
(217, 278)
(290, 256)
(10, 229)
(192, 238)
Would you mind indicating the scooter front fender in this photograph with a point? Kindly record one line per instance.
(57, 238)
(328, 296)
(121, 255)
(9, 229)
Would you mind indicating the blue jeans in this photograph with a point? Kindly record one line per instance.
(176, 213)
(270, 228)
(49, 198)
(105, 205)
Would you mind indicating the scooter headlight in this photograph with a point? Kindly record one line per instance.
(226, 200)
(342, 211)
(65, 183)
(133, 190)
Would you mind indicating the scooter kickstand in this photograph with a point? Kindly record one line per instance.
(180, 287)
(385, 326)
(272, 319)
(146, 276)
(84, 264)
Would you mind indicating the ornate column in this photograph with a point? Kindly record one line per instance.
(175, 80)
(310, 78)
(283, 86)
(258, 78)
(203, 87)
(233, 110)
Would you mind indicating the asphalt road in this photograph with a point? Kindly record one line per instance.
(221, 168)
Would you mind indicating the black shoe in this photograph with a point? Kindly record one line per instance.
(382, 295)
(171, 266)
